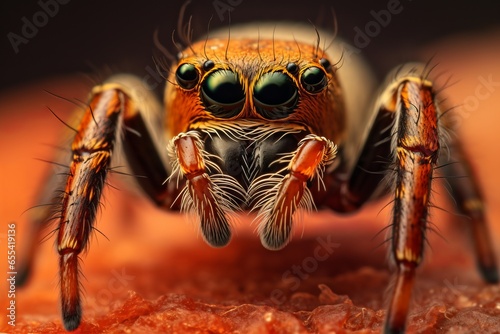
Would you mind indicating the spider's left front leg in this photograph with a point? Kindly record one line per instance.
(408, 128)
(415, 146)
(405, 134)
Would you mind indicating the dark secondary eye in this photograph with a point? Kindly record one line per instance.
(187, 76)
(222, 93)
(325, 63)
(314, 80)
(275, 95)
(292, 68)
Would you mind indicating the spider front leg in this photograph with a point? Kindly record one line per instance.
(407, 128)
(119, 109)
(416, 146)
(405, 132)
(417, 139)
(92, 149)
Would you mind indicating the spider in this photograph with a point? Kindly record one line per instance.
(263, 121)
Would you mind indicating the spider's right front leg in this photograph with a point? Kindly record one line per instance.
(122, 102)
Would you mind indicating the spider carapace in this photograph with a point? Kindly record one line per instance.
(271, 122)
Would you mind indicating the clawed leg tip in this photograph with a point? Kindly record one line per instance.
(72, 321)
(490, 274)
(22, 277)
(389, 330)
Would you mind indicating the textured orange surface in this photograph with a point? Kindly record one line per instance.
(155, 274)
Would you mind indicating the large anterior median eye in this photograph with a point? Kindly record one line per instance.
(275, 95)
(314, 80)
(222, 93)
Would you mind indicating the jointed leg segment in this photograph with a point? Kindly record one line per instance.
(406, 134)
(92, 149)
(119, 104)
(407, 131)
(417, 145)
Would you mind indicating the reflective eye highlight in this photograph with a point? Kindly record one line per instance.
(187, 76)
(314, 80)
(275, 95)
(222, 93)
